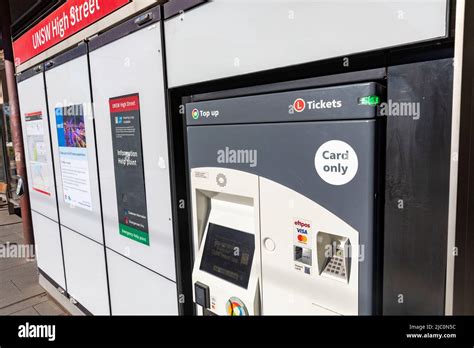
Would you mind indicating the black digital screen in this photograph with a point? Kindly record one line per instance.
(228, 254)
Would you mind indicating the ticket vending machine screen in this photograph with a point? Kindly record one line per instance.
(228, 254)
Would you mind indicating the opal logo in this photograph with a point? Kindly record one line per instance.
(204, 113)
(299, 105)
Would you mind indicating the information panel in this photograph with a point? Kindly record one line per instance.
(37, 151)
(72, 143)
(128, 165)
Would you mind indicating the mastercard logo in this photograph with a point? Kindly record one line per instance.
(302, 238)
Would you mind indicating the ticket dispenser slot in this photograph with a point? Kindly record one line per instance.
(226, 271)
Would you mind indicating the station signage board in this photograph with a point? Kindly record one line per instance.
(65, 21)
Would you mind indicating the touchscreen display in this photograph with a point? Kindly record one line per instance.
(228, 254)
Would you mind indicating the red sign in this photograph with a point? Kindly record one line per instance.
(124, 104)
(65, 21)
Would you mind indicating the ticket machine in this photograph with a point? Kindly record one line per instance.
(283, 201)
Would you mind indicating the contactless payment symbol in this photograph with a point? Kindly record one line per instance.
(235, 307)
(299, 105)
(195, 114)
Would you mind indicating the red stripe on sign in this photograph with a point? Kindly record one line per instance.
(41, 191)
(124, 104)
(37, 113)
(65, 21)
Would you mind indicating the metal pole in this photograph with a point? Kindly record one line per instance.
(15, 119)
(6, 162)
(4, 134)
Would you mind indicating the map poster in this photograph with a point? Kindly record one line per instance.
(37, 150)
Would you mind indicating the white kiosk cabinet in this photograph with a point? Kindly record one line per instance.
(73, 139)
(41, 183)
(129, 105)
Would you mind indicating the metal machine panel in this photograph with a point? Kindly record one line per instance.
(346, 102)
(36, 137)
(131, 59)
(417, 189)
(86, 272)
(135, 290)
(228, 37)
(48, 247)
(73, 139)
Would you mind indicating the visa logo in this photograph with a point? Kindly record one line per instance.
(302, 231)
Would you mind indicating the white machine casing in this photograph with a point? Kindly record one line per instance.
(288, 290)
(228, 198)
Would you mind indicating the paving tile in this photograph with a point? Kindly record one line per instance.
(12, 239)
(48, 308)
(24, 304)
(6, 219)
(8, 289)
(11, 223)
(8, 263)
(11, 231)
(24, 269)
(27, 312)
(6, 230)
(25, 276)
(21, 296)
(20, 292)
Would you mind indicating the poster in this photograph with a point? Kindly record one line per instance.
(37, 150)
(72, 143)
(128, 164)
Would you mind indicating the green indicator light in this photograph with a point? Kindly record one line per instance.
(371, 100)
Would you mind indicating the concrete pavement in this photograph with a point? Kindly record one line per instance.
(20, 293)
